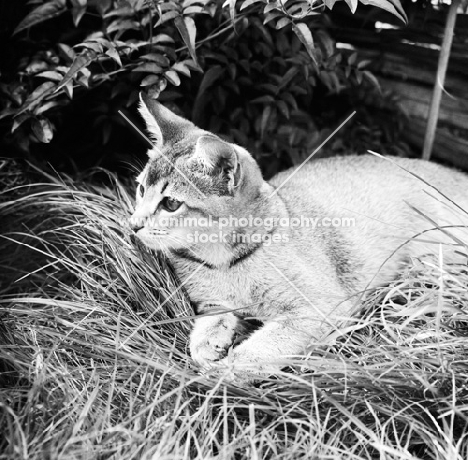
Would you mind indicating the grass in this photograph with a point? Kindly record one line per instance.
(95, 364)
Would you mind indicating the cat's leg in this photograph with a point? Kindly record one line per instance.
(270, 348)
(267, 349)
(211, 337)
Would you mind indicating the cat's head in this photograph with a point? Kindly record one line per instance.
(191, 180)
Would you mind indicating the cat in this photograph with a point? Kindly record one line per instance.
(294, 252)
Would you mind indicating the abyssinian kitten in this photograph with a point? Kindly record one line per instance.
(243, 254)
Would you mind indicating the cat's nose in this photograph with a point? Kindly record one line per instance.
(136, 227)
(136, 224)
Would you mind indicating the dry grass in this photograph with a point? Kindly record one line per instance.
(95, 364)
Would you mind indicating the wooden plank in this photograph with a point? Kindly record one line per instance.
(416, 99)
(448, 147)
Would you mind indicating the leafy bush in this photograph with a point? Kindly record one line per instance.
(251, 70)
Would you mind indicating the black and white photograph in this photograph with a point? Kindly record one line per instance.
(234, 230)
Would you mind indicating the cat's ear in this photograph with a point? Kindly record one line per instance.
(218, 158)
(164, 126)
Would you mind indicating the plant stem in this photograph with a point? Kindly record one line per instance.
(440, 80)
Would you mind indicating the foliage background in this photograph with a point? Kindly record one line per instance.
(275, 78)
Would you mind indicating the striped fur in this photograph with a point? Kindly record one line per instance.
(306, 283)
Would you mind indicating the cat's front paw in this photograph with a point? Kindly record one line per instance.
(242, 368)
(211, 338)
(208, 350)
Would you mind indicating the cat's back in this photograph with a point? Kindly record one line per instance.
(372, 206)
(366, 182)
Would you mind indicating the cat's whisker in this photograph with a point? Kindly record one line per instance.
(134, 166)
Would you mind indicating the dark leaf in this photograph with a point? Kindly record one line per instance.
(209, 78)
(66, 52)
(42, 13)
(121, 25)
(150, 67)
(168, 5)
(372, 78)
(150, 80)
(282, 23)
(193, 10)
(102, 6)
(83, 77)
(167, 51)
(133, 97)
(363, 63)
(182, 68)
(190, 64)
(347, 71)
(82, 60)
(69, 89)
(335, 82)
(7, 112)
(267, 36)
(36, 66)
(96, 47)
(326, 42)
(19, 120)
(270, 6)
(359, 77)
(79, 9)
(283, 108)
(265, 119)
(393, 7)
(157, 58)
(263, 100)
(114, 54)
(51, 75)
(299, 9)
(162, 38)
(288, 97)
(188, 31)
(138, 5)
(352, 5)
(37, 96)
(45, 107)
(268, 87)
(282, 44)
(298, 90)
(305, 36)
(247, 3)
(42, 128)
(288, 76)
(126, 10)
(232, 68)
(232, 8)
(97, 37)
(172, 77)
(167, 17)
(329, 3)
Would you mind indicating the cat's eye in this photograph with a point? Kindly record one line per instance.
(141, 190)
(170, 204)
